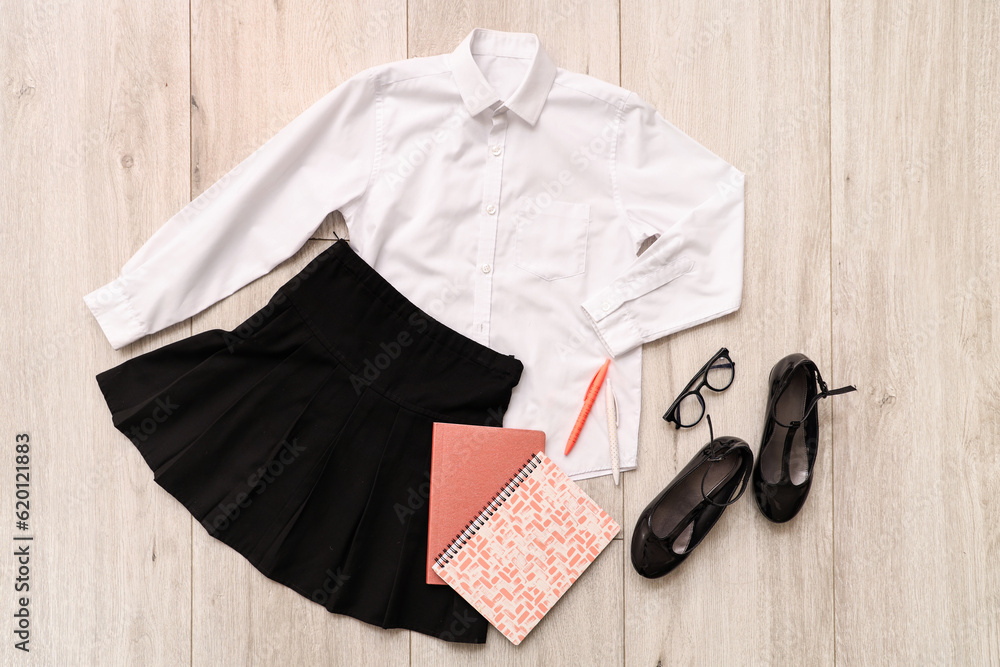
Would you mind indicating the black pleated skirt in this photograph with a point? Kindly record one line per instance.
(302, 438)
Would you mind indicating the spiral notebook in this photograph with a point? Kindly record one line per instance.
(468, 464)
(521, 553)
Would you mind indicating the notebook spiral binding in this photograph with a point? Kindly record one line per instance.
(488, 511)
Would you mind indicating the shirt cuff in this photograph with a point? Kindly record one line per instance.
(613, 323)
(114, 313)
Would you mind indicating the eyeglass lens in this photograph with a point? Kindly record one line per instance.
(690, 410)
(720, 374)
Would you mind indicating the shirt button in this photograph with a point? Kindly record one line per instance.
(491, 209)
(496, 150)
(606, 306)
(487, 268)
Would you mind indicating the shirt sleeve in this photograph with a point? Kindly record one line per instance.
(252, 219)
(670, 187)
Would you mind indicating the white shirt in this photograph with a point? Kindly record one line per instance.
(506, 197)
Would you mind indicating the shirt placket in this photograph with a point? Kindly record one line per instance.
(489, 215)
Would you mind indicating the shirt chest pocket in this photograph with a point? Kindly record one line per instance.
(552, 243)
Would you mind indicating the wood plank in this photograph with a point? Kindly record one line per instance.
(583, 628)
(94, 137)
(254, 68)
(105, 133)
(916, 140)
(749, 81)
(579, 35)
(582, 37)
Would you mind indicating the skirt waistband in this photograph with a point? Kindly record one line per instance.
(391, 345)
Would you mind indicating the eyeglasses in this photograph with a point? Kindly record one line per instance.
(688, 408)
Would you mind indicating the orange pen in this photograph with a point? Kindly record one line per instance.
(588, 403)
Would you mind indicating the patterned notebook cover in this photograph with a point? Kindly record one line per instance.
(528, 546)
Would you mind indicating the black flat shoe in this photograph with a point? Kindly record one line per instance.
(675, 522)
(784, 469)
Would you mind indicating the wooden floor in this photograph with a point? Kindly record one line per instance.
(870, 134)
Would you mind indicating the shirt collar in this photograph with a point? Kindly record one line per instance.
(477, 93)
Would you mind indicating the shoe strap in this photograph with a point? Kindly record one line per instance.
(795, 425)
(714, 457)
(712, 460)
(689, 518)
(824, 392)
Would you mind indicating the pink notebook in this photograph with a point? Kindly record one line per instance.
(527, 548)
(468, 465)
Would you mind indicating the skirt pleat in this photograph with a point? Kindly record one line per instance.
(211, 466)
(132, 385)
(344, 478)
(282, 443)
(282, 474)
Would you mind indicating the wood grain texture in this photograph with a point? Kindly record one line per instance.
(583, 628)
(871, 140)
(93, 153)
(916, 170)
(255, 67)
(749, 81)
(579, 35)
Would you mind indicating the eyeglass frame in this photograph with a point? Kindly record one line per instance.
(690, 388)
